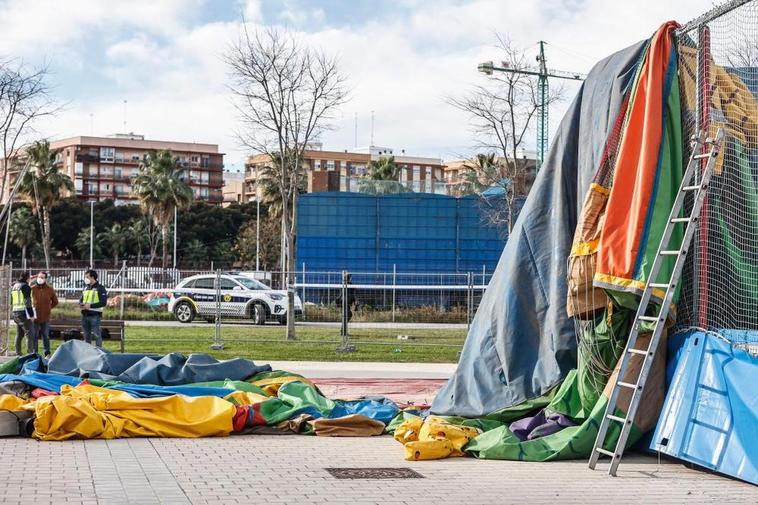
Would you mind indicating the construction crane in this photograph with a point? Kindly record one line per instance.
(542, 73)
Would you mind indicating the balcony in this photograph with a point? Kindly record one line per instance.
(87, 158)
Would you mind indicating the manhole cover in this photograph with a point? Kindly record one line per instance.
(374, 473)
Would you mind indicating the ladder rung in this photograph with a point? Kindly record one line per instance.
(627, 385)
(618, 419)
(701, 156)
(658, 285)
(691, 188)
(670, 253)
(607, 453)
(637, 351)
(652, 319)
(681, 220)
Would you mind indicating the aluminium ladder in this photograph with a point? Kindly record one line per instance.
(698, 190)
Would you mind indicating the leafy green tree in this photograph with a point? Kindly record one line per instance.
(195, 254)
(161, 189)
(82, 243)
(43, 185)
(244, 247)
(114, 240)
(23, 230)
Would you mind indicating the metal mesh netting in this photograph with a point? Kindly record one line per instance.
(718, 76)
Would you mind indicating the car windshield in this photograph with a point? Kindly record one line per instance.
(250, 283)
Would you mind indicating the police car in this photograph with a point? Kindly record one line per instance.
(241, 297)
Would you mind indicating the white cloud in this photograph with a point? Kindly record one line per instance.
(169, 67)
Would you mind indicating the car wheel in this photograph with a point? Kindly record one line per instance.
(282, 320)
(258, 313)
(184, 312)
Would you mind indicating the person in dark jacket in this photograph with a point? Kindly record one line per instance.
(23, 311)
(93, 300)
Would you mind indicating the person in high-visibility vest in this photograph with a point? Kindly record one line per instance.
(93, 300)
(23, 311)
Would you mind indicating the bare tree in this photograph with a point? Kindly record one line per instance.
(502, 112)
(24, 97)
(286, 94)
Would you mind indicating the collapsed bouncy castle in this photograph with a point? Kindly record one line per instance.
(534, 377)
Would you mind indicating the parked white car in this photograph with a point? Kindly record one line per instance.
(240, 297)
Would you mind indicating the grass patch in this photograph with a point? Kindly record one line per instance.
(313, 344)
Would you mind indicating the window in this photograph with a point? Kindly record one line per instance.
(206, 162)
(78, 185)
(78, 168)
(107, 187)
(404, 174)
(330, 165)
(250, 283)
(205, 283)
(107, 154)
(226, 283)
(416, 173)
(190, 284)
(428, 173)
(317, 165)
(194, 159)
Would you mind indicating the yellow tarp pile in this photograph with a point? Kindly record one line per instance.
(433, 438)
(88, 411)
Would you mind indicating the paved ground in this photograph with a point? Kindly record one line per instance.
(291, 469)
(348, 369)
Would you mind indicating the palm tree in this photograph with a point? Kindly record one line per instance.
(161, 189)
(383, 169)
(42, 185)
(268, 179)
(139, 235)
(82, 243)
(115, 240)
(382, 178)
(481, 174)
(23, 230)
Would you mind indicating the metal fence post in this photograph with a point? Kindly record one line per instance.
(123, 291)
(394, 289)
(345, 344)
(217, 343)
(303, 298)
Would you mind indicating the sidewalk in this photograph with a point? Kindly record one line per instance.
(290, 469)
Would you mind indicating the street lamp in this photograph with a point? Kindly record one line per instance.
(91, 233)
(175, 237)
(257, 228)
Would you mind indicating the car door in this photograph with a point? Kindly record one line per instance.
(204, 294)
(232, 298)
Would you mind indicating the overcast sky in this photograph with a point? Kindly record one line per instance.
(402, 58)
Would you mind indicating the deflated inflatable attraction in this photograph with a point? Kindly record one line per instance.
(543, 352)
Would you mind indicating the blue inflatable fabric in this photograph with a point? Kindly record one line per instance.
(80, 359)
(710, 415)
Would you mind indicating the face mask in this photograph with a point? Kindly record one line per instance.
(40, 281)
(87, 281)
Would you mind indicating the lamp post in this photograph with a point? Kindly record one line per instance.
(91, 233)
(175, 221)
(257, 229)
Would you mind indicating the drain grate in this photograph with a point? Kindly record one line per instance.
(374, 473)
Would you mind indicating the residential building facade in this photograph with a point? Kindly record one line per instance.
(103, 168)
(342, 170)
(454, 174)
(234, 188)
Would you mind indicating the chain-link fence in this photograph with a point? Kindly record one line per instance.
(5, 307)
(718, 79)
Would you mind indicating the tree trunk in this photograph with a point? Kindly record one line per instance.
(23, 255)
(115, 260)
(45, 214)
(291, 230)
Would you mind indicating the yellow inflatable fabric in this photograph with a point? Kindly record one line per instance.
(271, 385)
(245, 398)
(435, 438)
(88, 411)
(12, 402)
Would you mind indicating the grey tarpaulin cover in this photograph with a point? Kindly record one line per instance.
(521, 342)
(78, 358)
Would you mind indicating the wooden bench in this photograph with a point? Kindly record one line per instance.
(111, 329)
